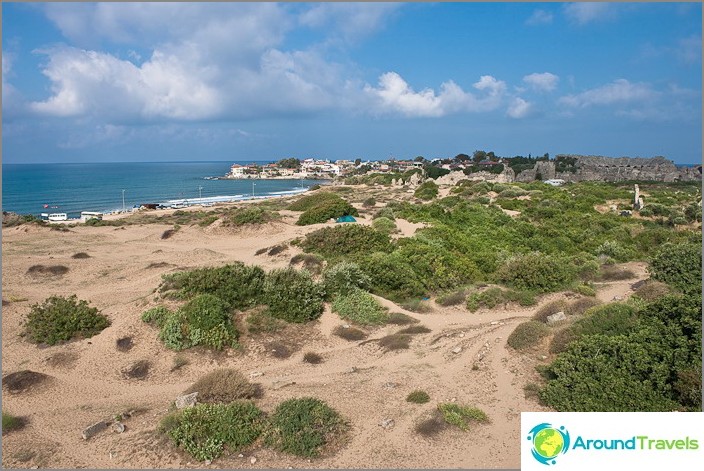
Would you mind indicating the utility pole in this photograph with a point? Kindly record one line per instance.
(200, 192)
(123, 201)
(252, 189)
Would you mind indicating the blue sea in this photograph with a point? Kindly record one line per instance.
(72, 188)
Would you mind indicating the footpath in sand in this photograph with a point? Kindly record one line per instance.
(464, 359)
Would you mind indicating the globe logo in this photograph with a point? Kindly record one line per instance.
(548, 442)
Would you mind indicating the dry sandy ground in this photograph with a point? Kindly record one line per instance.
(88, 386)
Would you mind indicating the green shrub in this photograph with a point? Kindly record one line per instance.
(395, 342)
(248, 215)
(369, 202)
(237, 284)
(488, 299)
(385, 213)
(156, 316)
(418, 397)
(452, 299)
(679, 265)
(580, 306)
(553, 307)
(304, 426)
(612, 273)
(426, 191)
(206, 430)
(311, 262)
(536, 272)
(309, 201)
(11, 423)
(646, 212)
(293, 296)
(585, 290)
(60, 319)
(527, 334)
(461, 416)
(384, 225)
(360, 307)
(343, 278)
(205, 320)
(224, 385)
(349, 333)
(611, 319)
(346, 239)
(522, 297)
(417, 305)
(325, 211)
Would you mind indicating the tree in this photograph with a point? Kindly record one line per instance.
(479, 155)
(289, 163)
(420, 158)
(491, 156)
(462, 157)
(357, 161)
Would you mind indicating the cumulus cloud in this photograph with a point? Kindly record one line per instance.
(540, 17)
(545, 82)
(395, 95)
(519, 108)
(589, 12)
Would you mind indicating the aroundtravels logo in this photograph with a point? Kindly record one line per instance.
(548, 442)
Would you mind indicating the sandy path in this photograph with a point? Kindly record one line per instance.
(126, 266)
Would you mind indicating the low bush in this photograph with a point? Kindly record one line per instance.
(415, 329)
(309, 201)
(325, 211)
(60, 319)
(461, 416)
(312, 358)
(293, 296)
(418, 397)
(304, 426)
(585, 290)
(562, 339)
(80, 255)
(391, 276)
(679, 265)
(417, 305)
(23, 380)
(542, 314)
(426, 191)
(53, 270)
(489, 299)
(385, 213)
(137, 370)
(536, 272)
(613, 273)
(205, 431)
(527, 334)
(248, 216)
(395, 342)
(349, 333)
(311, 262)
(346, 239)
(343, 278)
(652, 290)
(580, 306)
(205, 320)
(238, 284)
(452, 299)
(398, 318)
(11, 423)
(369, 202)
(156, 316)
(261, 321)
(360, 307)
(384, 225)
(224, 386)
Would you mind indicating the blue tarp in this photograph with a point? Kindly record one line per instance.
(345, 219)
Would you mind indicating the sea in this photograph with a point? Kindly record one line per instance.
(74, 187)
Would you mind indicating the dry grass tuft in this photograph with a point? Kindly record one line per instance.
(395, 342)
(224, 386)
(80, 255)
(349, 333)
(415, 329)
(137, 370)
(53, 270)
(21, 381)
(398, 318)
(313, 358)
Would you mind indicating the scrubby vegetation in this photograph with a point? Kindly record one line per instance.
(207, 430)
(224, 386)
(304, 427)
(326, 211)
(461, 416)
(11, 423)
(527, 335)
(343, 278)
(360, 307)
(418, 397)
(680, 266)
(346, 239)
(495, 296)
(250, 215)
(384, 225)
(427, 190)
(293, 296)
(349, 333)
(60, 319)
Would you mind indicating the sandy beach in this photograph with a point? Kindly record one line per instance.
(463, 359)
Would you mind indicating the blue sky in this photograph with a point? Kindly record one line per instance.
(253, 81)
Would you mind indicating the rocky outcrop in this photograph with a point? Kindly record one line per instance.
(598, 168)
(507, 176)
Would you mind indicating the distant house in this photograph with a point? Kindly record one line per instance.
(237, 171)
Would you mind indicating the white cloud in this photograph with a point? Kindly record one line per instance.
(351, 21)
(619, 91)
(689, 50)
(545, 82)
(395, 95)
(589, 12)
(540, 17)
(519, 108)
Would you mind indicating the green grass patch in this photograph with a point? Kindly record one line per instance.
(462, 416)
(418, 397)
